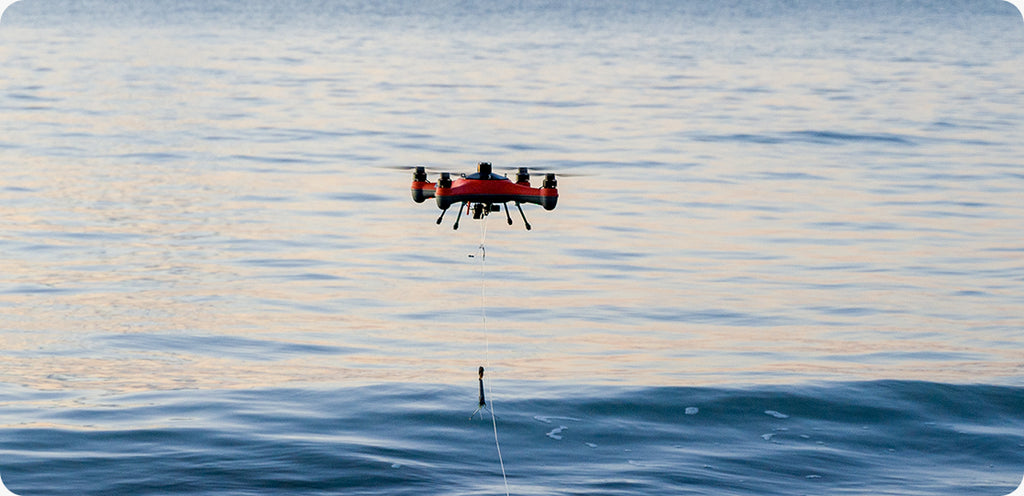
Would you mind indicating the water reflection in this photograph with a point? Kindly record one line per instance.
(195, 212)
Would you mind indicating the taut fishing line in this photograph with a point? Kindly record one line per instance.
(487, 346)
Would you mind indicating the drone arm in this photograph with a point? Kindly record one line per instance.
(422, 191)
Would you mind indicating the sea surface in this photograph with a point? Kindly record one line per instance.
(787, 257)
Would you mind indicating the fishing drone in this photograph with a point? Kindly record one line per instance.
(484, 192)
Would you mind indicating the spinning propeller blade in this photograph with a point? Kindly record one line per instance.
(540, 172)
(410, 168)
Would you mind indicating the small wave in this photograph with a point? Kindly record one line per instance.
(808, 136)
(838, 137)
(548, 419)
(223, 346)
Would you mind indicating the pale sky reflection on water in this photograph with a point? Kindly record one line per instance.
(189, 214)
(277, 292)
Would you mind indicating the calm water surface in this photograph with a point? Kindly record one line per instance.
(811, 209)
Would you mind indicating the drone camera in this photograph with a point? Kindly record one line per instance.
(480, 210)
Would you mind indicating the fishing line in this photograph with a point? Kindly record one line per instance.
(487, 344)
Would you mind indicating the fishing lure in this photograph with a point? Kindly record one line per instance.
(482, 402)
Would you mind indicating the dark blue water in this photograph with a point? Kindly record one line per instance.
(793, 265)
(884, 437)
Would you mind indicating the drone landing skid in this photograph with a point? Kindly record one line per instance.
(481, 210)
(520, 213)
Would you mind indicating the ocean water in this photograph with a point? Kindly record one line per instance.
(788, 258)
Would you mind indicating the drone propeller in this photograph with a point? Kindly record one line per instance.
(539, 171)
(513, 172)
(410, 168)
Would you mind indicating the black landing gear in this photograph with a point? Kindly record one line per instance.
(480, 210)
(442, 215)
(459, 217)
(523, 215)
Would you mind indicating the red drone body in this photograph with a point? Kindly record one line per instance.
(483, 192)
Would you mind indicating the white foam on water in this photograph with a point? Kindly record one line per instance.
(556, 433)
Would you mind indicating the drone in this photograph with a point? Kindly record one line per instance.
(484, 192)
